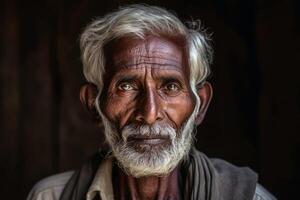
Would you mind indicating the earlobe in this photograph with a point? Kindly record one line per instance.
(87, 95)
(205, 93)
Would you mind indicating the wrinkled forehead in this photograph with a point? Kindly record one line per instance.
(154, 52)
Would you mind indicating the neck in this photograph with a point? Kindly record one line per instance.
(147, 188)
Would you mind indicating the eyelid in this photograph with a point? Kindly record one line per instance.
(175, 82)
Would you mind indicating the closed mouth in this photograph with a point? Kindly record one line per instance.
(147, 140)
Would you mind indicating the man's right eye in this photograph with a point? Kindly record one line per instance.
(126, 87)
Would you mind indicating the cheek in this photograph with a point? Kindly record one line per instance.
(179, 109)
(118, 108)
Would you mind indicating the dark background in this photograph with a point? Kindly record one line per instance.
(253, 119)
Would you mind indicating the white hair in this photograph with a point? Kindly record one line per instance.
(139, 21)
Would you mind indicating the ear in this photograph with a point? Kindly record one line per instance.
(205, 93)
(88, 94)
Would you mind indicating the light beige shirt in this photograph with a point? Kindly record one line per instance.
(51, 188)
(102, 183)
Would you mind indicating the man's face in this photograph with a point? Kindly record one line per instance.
(147, 101)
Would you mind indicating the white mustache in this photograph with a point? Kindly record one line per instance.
(155, 129)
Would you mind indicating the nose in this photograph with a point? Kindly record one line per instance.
(149, 108)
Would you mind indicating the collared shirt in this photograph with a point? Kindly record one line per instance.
(51, 188)
(102, 183)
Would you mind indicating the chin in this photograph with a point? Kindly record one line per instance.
(150, 160)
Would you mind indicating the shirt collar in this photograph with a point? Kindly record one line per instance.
(102, 182)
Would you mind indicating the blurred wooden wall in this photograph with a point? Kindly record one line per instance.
(253, 119)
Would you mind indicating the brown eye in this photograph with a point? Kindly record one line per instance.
(172, 88)
(126, 87)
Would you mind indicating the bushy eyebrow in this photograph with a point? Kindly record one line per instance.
(126, 77)
(163, 78)
(169, 79)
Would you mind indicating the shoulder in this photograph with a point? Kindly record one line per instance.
(50, 188)
(262, 194)
(240, 180)
(240, 175)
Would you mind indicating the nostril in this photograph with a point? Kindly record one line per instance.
(139, 118)
(159, 118)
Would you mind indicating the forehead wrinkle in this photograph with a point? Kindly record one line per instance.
(152, 53)
(159, 50)
(147, 48)
(124, 68)
(134, 61)
(143, 71)
(170, 57)
(139, 52)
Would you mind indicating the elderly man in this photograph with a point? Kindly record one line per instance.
(146, 72)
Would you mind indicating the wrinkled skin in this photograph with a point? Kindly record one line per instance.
(147, 81)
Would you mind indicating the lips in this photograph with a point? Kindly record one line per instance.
(147, 140)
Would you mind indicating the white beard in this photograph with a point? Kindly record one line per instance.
(152, 161)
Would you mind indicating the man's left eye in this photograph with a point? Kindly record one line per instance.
(172, 87)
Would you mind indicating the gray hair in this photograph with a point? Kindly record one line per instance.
(141, 20)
